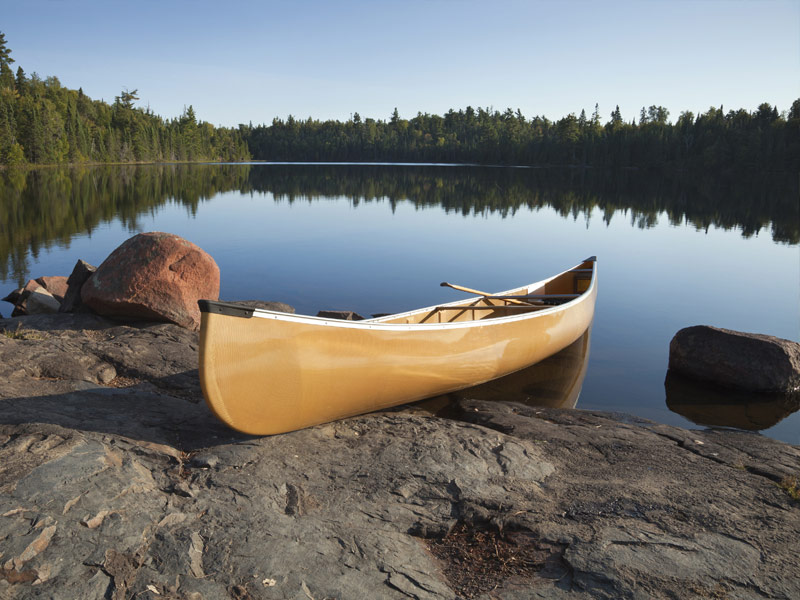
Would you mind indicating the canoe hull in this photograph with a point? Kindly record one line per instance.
(276, 372)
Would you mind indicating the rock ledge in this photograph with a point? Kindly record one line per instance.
(116, 482)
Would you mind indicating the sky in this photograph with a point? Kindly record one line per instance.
(240, 61)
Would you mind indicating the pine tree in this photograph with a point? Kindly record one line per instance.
(5, 52)
(20, 82)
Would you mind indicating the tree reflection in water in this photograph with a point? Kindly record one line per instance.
(46, 207)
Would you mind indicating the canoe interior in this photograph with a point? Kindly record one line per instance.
(562, 288)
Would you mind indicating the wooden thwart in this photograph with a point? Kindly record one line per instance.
(461, 288)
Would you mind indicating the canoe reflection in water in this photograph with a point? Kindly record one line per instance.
(711, 406)
(555, 382)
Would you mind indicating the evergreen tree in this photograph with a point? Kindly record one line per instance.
(5, 52)
(20, 82)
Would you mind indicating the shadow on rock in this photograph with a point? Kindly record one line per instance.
(143, 412)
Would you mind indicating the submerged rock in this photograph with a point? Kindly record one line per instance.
(154, 276)
(714, 406)
(749, 361)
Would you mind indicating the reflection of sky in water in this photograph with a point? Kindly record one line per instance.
(329, 254)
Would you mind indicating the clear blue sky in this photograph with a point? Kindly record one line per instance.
(237, 61)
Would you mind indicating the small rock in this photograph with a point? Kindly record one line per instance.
(95, 521)
(208, 461)
(154, 276)
(344, 315)
(21, 295)
(57, 286)
(41, 302)
(749, 361)
(72, 297)
(180, 488)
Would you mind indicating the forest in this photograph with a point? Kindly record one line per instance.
(42, 122)
(715, 141)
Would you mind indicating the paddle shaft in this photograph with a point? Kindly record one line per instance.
(461, 288)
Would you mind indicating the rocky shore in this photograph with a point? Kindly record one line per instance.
(116, 482)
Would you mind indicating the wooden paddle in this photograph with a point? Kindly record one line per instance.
(461, 288)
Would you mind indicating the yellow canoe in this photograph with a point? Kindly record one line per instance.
(265, 372)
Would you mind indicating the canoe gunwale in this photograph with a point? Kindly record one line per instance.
(379, 324)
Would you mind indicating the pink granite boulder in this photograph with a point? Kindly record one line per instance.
(153, 276)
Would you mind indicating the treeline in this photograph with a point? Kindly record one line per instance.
(42, 122)
(715, 141)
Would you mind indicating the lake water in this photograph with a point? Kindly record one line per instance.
(380, 238)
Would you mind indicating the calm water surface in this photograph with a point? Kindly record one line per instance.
(380, 238)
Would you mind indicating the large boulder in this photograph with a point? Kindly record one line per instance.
(748, 361)
(155, 276)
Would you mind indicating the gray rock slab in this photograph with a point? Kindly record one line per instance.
(134, 489)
